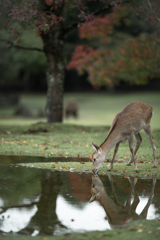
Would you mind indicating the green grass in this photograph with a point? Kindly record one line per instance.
(94, 108)
(18, 136)
(63, 140)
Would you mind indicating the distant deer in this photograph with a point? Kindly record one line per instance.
(126, 124)
(116, 212)
(71, 108)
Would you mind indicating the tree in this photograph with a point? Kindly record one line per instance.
(135, 60)
(50, 19)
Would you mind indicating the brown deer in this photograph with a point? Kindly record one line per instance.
(116, 212)
(126, 124)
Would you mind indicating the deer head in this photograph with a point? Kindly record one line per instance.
(98, 158)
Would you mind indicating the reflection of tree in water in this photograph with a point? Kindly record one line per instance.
(45, 220)
(23, 183)
(78, 187)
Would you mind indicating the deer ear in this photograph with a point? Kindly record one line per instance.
(95, 197)
(96, 148)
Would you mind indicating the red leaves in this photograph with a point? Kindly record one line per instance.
(49, 2)
(82, 54)
(55, 145)
(134, 60)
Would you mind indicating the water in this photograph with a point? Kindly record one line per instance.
(41, 202)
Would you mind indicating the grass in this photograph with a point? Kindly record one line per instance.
(94, 108)
(68, 140)
(63, 140)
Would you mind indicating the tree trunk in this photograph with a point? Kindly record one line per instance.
(53, 47)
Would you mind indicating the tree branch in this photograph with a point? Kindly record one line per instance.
(153, 10)
(12, 45)
(98, 12)
(4, 209)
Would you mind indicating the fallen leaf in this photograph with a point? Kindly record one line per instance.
(44, 144)
(55, 145)
(81, 162)
(24, 142)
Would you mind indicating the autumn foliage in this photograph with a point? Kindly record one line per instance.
(135, 61)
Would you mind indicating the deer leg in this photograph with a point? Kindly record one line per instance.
(148, 132)
(138, 143)
(144, 212)
(113, 189)
(130, 140)
(128, 205)
(115, 152)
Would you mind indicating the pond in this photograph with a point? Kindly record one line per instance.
(41, 202)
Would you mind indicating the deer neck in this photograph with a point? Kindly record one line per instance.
(109, 143)
(113, 211)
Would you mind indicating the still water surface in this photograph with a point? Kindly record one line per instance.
(42, 202)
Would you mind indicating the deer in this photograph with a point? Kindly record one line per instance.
(116, 212)
(128, 123)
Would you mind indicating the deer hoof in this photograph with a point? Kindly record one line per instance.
(108, 170)
(129, 164)
(136, 171)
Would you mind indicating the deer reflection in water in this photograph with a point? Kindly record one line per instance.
(116, 212)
